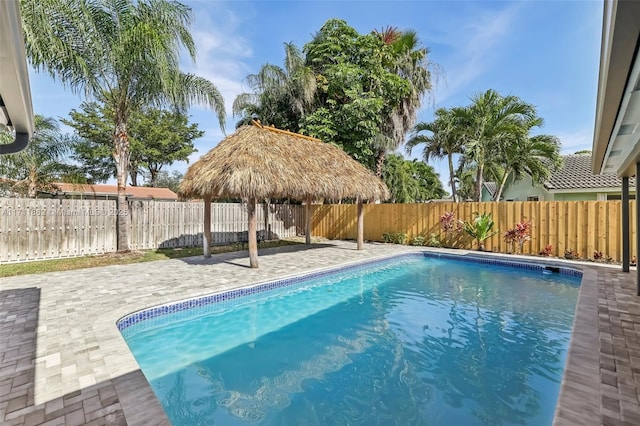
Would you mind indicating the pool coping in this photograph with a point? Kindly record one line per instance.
(579, 396)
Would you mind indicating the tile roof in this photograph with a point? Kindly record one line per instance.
(576, 174)
(491, 187)
(112, 190)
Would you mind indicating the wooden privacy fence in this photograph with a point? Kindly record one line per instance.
(171, 224)
(46, 229)
(582, 226)
(32, 229)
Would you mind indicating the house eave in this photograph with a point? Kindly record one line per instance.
(16, 107)
(585, 190)
(616, 142)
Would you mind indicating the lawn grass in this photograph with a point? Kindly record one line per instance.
(42, 266)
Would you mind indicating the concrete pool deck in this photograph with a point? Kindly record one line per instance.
(64, 362)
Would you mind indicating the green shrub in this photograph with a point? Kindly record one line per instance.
(394, 237)
(418, 240)
(400, 238)
(434, 240)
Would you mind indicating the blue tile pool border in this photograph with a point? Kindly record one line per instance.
(229, 295)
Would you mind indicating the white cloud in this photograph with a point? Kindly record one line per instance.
(476, 43)
(222, 51)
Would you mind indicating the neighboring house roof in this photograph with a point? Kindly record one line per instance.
(16, 109)
(112, 190)
(491, 187)
(577, 174)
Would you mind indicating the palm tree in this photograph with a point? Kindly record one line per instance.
(280, 96)
(444, 141)
(410, 62)
(36, 168)
(124, 53)
(490, 119)
(534, 156)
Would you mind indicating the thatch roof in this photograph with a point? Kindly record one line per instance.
(264, 162)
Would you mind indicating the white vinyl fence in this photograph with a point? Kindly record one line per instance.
(32, 229)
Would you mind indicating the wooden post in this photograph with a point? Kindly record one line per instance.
(253, 225)
(626, 248)
(360, 225)
(638, 228)
(307, 211)
(267, 230)
(206, 235)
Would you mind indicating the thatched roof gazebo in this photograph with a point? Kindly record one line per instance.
(259, 162)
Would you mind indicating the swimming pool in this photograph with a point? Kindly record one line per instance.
(409, 340)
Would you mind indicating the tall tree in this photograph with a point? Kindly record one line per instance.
(93, 148)
(125, 52)
(533, 155)
(162, 138)
(411, 181)
(489, 119)
(279, 96)
(410, 61)
(169, 180)
(37, 167)
(157, 137)
(465, 175)
(356, 89)
(444, 141)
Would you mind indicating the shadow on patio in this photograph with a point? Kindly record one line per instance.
(96, 405)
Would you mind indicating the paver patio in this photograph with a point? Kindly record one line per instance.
(63, 361)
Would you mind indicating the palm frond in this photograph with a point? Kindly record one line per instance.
(194, 90)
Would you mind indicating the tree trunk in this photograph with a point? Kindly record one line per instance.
(253, 242)
(380, 163)
(32, 186)
(307, 211)
(360, 225)
(267, 228)
(452, 180)
(478, 187)
(121, 155)
(153, 179)
(503, 182)
(206, 235)
(133, 175)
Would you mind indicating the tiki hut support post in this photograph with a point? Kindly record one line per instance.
(307, 211)
(265, 209)
(360, 225)
(253, 241)
(206, 235)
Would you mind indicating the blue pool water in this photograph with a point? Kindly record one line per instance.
(414, 341)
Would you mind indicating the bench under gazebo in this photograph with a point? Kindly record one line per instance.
(259, 162)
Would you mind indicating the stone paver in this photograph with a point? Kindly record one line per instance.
(63, 361)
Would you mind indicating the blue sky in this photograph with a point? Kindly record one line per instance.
(544, 51)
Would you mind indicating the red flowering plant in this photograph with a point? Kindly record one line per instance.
(547, 251)
(518, 235)
(449, 226)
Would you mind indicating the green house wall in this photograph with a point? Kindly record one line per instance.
(524, 188)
